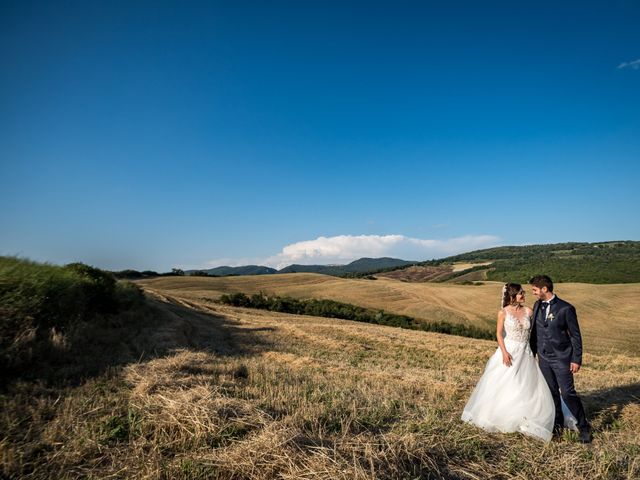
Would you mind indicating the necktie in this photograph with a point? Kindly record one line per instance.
(544, 310)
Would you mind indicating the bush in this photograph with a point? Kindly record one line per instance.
(199, 273)
(40, 302)
(99, 287)
(128, 295)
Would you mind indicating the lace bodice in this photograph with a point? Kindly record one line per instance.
(517, 328)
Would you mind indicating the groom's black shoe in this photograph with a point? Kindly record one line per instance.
(585, 435)
(557, 430)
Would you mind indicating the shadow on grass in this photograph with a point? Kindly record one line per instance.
(609, 403)
(75, 380)
(156, 329)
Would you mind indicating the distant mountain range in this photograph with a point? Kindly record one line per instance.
(360, 266)
(243, 270)
(598, 262)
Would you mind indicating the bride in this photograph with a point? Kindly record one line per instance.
(512, 395)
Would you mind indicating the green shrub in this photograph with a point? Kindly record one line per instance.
(99, 287)
(333, 309)
(128, 295)
(40, 301)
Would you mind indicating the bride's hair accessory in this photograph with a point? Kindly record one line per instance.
(509, 293)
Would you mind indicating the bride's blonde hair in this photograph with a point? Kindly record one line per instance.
(509, 293)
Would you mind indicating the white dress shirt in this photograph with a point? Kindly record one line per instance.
(548, 306)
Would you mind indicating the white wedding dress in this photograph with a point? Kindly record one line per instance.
(515, 398)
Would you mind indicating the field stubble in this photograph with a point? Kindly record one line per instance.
(608, 314)
(237, 393)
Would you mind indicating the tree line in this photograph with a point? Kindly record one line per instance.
(346, 311)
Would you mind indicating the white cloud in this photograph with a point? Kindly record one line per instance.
(342, 249)
(635, 64)
(346, 248)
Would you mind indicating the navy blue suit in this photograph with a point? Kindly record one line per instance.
(557, 342)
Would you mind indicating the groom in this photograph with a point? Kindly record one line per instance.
(555, 337)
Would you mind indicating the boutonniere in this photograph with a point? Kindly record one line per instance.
(550, 317)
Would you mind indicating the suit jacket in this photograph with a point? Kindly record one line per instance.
(563, 332)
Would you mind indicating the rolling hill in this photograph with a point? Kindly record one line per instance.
(607, 313)
(601, 262)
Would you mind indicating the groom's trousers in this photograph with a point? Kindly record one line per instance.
(560, 381)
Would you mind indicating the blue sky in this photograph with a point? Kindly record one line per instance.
(150, 135)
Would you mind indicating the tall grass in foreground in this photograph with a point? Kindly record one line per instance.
(44, 308)
(346, 311)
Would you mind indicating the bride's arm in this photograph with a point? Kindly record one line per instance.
(506, 356)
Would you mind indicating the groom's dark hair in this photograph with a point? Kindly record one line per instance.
(542, 281)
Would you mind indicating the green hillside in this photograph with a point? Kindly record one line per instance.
(601, 262)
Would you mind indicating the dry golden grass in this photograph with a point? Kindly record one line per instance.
(608, 314)
(460, 266)
(234, 393)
